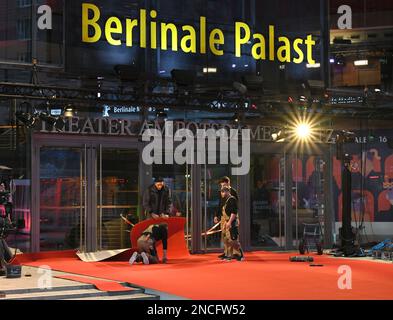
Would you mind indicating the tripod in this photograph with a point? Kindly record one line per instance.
(346, 233)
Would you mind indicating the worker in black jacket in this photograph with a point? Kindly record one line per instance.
(157, 200)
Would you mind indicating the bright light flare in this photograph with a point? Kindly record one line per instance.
(303, 131)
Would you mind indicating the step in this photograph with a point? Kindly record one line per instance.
(69, 294)
(62, 288)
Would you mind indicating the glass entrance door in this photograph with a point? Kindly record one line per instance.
(267, 208)
(63, 195)
(84, 191)
(210, 188)
(117, 195)
(308, 174)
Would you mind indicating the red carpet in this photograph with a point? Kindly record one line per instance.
(264, 275)
(103, 285)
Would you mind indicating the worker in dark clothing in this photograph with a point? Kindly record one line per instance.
(157, 200)
(223, 182)
(230, 227)
(146, 245)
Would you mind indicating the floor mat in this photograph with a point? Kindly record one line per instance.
(263, 275)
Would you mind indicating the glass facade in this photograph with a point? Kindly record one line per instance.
(71, 188)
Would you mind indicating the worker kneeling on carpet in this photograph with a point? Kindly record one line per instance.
(230, 227)
(146, 245)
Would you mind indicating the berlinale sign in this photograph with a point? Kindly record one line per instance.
(147, 32)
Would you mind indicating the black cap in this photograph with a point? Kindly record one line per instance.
(158, 179)
(224, 179)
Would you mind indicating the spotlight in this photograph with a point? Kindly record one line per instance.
(313, 66)
(27, 119)
(361, 63)
(236, 118)
(278, 135)
(209, 70)
(241, 88)
(50, 120)
(253, 82)
(303, 131)
(69, 111)
(340, 60)
(161, 115)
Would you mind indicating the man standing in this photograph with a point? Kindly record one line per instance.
(230, 227)
(146, 245)
(223, 182)
(157, 200)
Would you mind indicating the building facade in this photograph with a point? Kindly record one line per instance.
(72, 178)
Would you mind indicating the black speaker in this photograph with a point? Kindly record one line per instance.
(13, 271)
(184, 77)
(301, 259)
(390, 143)
(253, 82)
(127, 73)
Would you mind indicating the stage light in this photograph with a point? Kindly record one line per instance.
(303, 131)
(161, 115)
(361, 63)
(313, 66)
(253, 82)
(340, 60)
(236, 118)
(278, 135)
(241, 88)
(26, 119)
(275, 135)
(50, 120)
(209, 70)
(69, 111)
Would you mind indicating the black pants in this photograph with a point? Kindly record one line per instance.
(160, 232)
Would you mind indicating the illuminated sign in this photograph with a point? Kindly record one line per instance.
(190, 39)
(133, 128)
